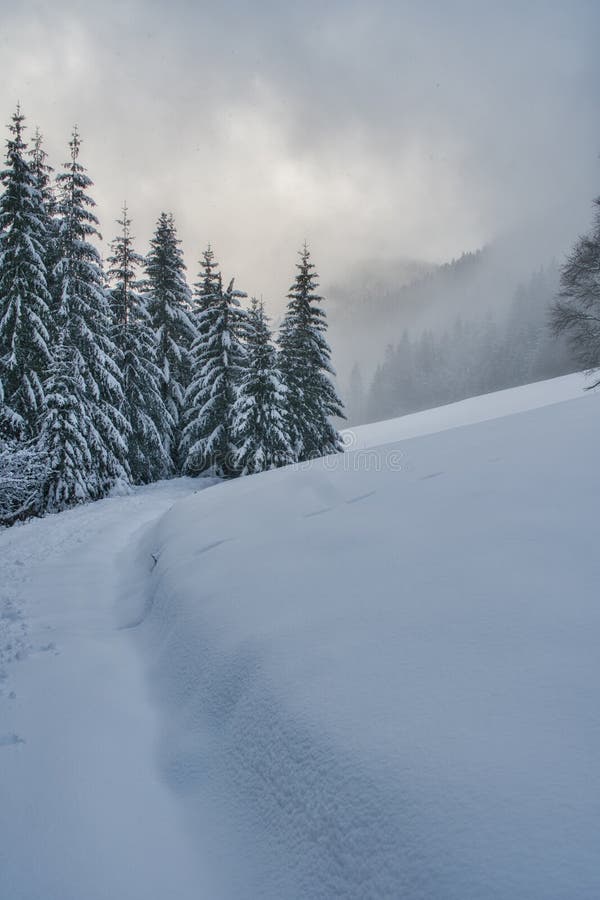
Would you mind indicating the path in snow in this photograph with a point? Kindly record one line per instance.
(83, 812)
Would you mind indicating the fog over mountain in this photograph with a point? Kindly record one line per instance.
(379, 132)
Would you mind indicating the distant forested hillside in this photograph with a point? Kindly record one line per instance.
(468, 327)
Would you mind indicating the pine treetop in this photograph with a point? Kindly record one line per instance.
(123, 263)
(206, 289)
(43, 171)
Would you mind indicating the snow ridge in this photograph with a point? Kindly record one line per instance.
(374, 682)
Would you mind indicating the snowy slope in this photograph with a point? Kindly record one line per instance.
(374, 676)
(83, 811)
(383, 683)
(468, 412)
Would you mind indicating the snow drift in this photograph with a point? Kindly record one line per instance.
(377, 673)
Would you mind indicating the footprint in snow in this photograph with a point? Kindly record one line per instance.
(360, 497)
(212, 546)
(317, 512)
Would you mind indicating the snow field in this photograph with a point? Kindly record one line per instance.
(382, 682)
(372, 676)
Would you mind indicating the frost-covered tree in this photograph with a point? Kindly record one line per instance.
(218, 359)
(84, 430)
(22, 475)
(24, 298)
(259, 414)
(69, 437)
(206, 289)
(305, 362)
(169, 300)
(576, 313)
(44, 176)
(143, 405)
(43, 172)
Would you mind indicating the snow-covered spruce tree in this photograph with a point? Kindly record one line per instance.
(576, 313)
(168, 301)
(206, 289)
(259, 413)
(43, 172)
(44, 176)
(69, 436)
(84, 430)
(207, 293)
(218, 359)
(24, 298)
(132, 333)
(304, 359)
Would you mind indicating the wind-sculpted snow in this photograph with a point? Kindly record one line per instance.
(374, 676)
(378, 675)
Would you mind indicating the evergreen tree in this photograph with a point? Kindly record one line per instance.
(206, 289)
(169, 307)
(43, 173)
(44, 176)
(259, 414)
(84, 430)
(24, 298)
(69, 436)
(143, 405)
(306, 368)
(218, 360)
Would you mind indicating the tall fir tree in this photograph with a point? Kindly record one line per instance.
(84, 428)
(259, 413)
(218, 359)
(25, 314)
(69, 437)
(143, 405)
(43, 172)
(206, 289)
(169, 300)
(44, 176)
(305, 362)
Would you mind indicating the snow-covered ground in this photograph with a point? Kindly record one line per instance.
(84, 812)
(374, 676)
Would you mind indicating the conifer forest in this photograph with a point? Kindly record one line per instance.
(117, 371)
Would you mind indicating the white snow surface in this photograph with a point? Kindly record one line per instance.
(374, 676)
(84, 812)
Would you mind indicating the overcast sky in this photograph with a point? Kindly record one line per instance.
(373, 130)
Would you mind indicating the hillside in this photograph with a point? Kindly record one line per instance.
(369, 676)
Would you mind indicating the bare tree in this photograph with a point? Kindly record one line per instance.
(22, 472)
(576, 312)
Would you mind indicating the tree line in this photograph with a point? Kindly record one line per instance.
(472, 356)
(123, 374)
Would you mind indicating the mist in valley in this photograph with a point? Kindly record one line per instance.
(436, 157)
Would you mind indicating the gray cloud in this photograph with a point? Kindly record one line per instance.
(385, 129)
